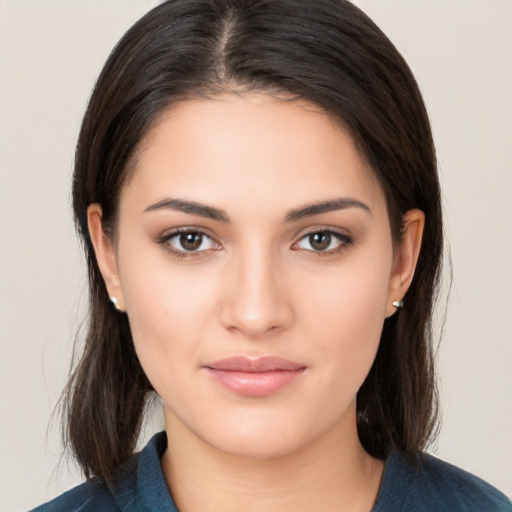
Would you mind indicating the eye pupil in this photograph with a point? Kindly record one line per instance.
(320, 241)
(191, 241)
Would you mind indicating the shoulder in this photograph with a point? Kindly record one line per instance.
(87, 497)
(433, 485)
(458, 488)
(139, 484)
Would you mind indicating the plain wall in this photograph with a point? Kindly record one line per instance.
(50, 55)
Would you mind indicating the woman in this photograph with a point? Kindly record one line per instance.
(256, 188)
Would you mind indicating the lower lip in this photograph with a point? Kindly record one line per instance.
(255, 383)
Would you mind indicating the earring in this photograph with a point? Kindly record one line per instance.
(115, 302)
(398, 304)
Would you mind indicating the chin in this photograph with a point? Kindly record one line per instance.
(257, 435)
(256, 446)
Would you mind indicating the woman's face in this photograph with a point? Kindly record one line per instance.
(255, 263)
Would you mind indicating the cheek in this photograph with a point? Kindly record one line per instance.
(345, 311)
(167, 311)
(350, 298)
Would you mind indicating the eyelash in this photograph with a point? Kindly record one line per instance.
(345, 242)
(165, 242)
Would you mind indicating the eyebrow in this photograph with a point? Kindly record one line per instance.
(326, 206)
(190, 207)
(210, 212)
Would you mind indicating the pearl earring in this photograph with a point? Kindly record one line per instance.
(398, 304)
(115, 302)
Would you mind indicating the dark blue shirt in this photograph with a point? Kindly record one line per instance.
(433, 486)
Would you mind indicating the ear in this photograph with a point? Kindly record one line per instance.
(105, 255)
(405, 258)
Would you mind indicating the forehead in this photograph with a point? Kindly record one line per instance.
(251, 145)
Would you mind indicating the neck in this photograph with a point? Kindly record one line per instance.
(331, 473)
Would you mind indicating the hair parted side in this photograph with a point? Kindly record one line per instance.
(326, 52)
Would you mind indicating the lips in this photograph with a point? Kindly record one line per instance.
(255, 377)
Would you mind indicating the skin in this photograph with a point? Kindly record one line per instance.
(257, 286)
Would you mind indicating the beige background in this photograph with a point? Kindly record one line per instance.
(50, 55)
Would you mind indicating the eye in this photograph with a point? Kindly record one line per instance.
(185, 242)
(323, 241)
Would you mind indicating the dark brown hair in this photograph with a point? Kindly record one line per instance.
(326, 52)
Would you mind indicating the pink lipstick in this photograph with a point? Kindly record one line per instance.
(255, 377)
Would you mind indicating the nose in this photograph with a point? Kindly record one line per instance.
(258, 301)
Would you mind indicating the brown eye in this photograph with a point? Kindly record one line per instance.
(191, 241)
(320, 241)
(188, 242)
(323, 241)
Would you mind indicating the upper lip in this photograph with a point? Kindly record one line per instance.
(255, 365)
